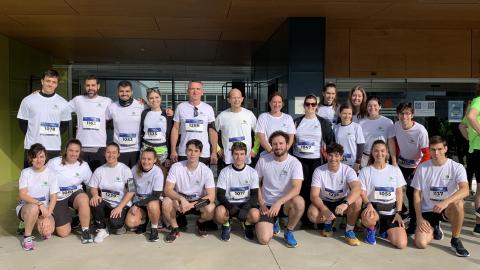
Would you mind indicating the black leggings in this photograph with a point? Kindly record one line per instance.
(408, 175)
(101, 213)
(308, 166)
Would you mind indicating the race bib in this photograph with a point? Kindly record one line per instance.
(113, 196)
(191, 197)
(49, 129)
(65, 192)
(154, 134)
(127, 139)
(384, 193)
(92, 123)
(406, 162)
(236, 139)
(332, 195)
(194, 125)
(239, 193)
(438, 193)
(305, 147)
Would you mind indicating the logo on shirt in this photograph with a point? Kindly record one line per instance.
(391, 179)
(284, 125)
(283, 172)
(117, 179)
(197, 182)
(244, 122)
(99, 105)
(55, 107)
(410, 140)
(77, 175)
(45, 183)
(447, 176)
(381, 129)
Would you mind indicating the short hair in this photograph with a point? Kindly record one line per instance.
(231, 90)
(275, 94)
(124, 84)
(34, 151)
(239, 146)
(405, 105)
(197, 143)
(311, 96)
(345, 106)
(374, 98)
(335, 148)
(92, 77)
(153, 90)
(194, 81)
(279, 133)
(114, 145)
(64, 153)
(51, 73)
(437, 139)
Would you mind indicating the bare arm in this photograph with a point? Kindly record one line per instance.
(264, 142)
(392, 147)
(463, 129)
(173, 141)
(472, 119)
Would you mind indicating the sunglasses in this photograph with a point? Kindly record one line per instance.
(195, 111)
(311, 104)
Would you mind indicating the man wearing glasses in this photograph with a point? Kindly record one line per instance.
(194, 119)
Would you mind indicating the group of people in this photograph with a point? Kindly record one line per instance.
(331, 162)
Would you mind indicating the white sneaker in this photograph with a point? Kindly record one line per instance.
(101, 234)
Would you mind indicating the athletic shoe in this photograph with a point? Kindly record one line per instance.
(27, 243)
(225, 235)
(290, 239)
(476, 230)
(20, 228)
(101, 234)
(351, 238)
(383, 235)
(201, 229)
(141, 229)
(248, 229)
(276, 227)
(327, 230)
(411, 229)
(86, 237)
(121, 230)
(437, 232)
(477, 212)
(457, 247)
(370, 237)
(153, 235)
(172, 235)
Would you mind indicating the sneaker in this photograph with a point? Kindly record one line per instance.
(383, 235)
(370, 237)
(476, 230)
(327, 230)
(121, 230)
(201, 229)
(153, 235)
(249, 231)
(477, 212)
(20, 228)
(276, 227)
(101, 234)
(290, 239)
(351, 238)
(411, 229)
(86, 237)
(141, 229)
(172, 235)
(27, 243)
(225, 235)
(437, 232)
(457, 246)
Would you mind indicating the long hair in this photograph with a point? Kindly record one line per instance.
(361, 112)
(64, 152)
(334, 102)
(371, 160)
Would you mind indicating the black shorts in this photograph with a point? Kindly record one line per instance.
(385, 223)
(62, 212)
(129, 158)
(435, 218)
(272, 220)
(333, 205)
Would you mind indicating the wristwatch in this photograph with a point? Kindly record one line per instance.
(346, 202)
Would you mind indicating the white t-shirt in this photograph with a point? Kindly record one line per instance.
(237, 184)
(91, 117)
(155, 127)
(192, 127)
(40, 185)
(277, 177)
(380, 185)
(44, 115)
(410, 142)
(308, 139)
(236, 127)
(375, 130)
(69, 176)
(328, 113)
(126, 123)
(437, 183)
(334, 186)
(147, 183)
(349, 136)
(112, 183)
(191, 184)
(267, 124)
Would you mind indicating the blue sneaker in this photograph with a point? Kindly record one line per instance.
(351, 238)
(327, 230)
(370, 237)
(290, 239)
(383, 235)
(225, 235)
(276, 227)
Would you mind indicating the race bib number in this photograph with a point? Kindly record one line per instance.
(384, 193)
(305, 147)
(92, 123)
(194, 125)
(191, 197)
(239, 193)
(332, 195)
(127, 139)
(154, 134)
(113, 196)
(49, 129)
(236, 139)
(406, 162)
(65, 192)
(438, 193)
